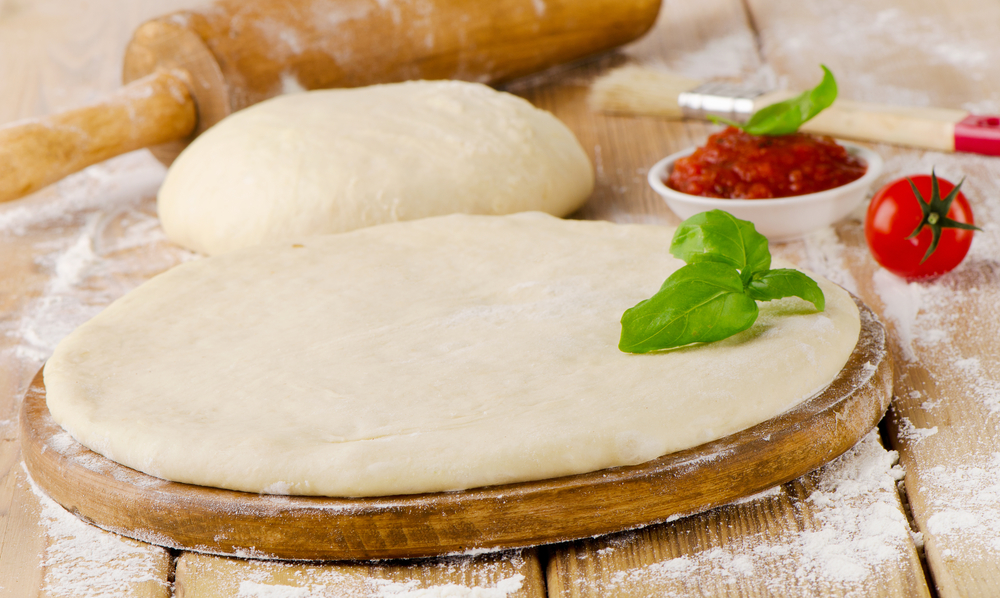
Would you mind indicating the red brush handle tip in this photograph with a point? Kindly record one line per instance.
(978, 135)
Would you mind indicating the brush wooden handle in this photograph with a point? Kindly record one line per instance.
(36, 152)
(921, 127)
(926, 128)
(235, 53)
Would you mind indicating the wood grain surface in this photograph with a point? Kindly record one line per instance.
(515, 574)
(226, 522)
(72, 248)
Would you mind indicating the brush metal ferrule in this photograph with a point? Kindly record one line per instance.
(733, 102)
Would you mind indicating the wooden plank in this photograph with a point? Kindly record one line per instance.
(713, 39)
(930, 53)
(933, 53)
(22, 541)
(838, 532)
(515, 574)
(946, 399)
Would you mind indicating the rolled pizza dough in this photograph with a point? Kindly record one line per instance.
(439, 354)
(336, 160)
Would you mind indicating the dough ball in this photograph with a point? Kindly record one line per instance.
(336, 160)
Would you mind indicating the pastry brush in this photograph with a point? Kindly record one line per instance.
(642, 90)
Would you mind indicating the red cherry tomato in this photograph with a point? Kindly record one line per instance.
(893, 215)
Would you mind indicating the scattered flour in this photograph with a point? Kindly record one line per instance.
(902, 301)
(413, 589)
(119, 183)
(705, 64)
(278, 488)
(913, 434)
(825, 255)
(82, 561)
(947, 521)
(290, 84)
(489, 577)
(252, 589)
(931, 324)
(905, 40)
(110, 242)
(858, 533)
(728, 50)
(770, 492)
(964, 504)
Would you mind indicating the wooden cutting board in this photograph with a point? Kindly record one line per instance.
(226, 522)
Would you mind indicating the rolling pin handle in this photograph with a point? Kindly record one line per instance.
(38, 151)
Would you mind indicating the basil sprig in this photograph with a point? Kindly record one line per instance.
(715, 295)
(786, 117)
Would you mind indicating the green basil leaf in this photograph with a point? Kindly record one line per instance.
(718, 236)
(702, 302)
(786, 117)
(776, 284)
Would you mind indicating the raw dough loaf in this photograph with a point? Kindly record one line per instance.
(438, 354)
(336, 160)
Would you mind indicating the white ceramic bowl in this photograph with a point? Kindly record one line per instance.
(780, 219)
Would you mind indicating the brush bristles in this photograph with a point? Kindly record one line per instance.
(636, 89)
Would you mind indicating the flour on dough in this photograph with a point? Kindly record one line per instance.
(335, 160)
(438, 354)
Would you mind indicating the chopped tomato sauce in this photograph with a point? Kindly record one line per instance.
(736, 165)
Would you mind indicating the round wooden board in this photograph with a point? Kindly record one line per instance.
(211, 520)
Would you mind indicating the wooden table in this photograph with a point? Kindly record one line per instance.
(855, 528)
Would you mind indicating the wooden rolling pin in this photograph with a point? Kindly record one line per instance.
(188, 70)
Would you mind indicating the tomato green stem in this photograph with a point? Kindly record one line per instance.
(936, 213)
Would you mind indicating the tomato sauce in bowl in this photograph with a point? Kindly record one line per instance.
(736, 165)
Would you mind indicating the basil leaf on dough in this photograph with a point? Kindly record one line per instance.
(718, 236)
(715, 295)
(700, 302)
(784, 118)
(777, 284)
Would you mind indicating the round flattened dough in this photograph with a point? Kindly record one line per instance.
(336, 160)
(440, 354)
